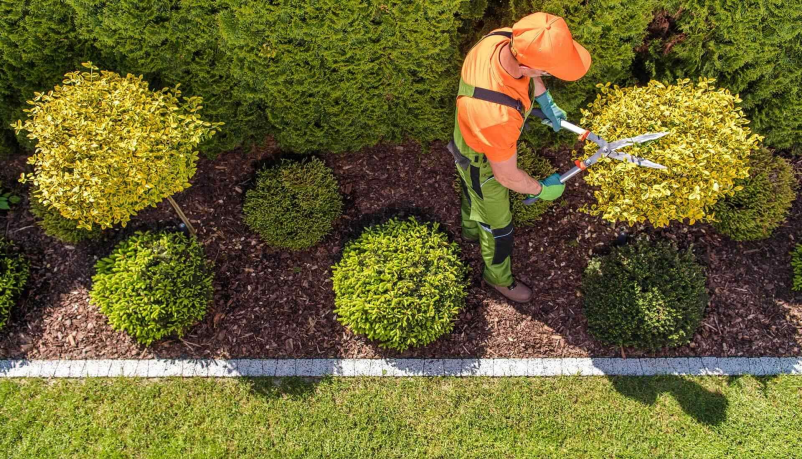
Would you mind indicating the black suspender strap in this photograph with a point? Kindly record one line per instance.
(500, 32)
(498, 98)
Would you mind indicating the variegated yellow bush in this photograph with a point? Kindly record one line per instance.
(706, 151)
(107, 146)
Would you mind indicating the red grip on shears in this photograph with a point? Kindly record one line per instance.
(580, 164)
(584, 136)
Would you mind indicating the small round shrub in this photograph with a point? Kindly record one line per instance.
(764, 202)
(538, 167)
(644, 295)
(14, 272)
(59, 227)
(293, 204)
(796, 263)
(400, 283)
(153, 285)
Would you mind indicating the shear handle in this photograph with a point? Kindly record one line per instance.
(565, 124)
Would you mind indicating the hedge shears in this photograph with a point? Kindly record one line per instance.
(606, 149)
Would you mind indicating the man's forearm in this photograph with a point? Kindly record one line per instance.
(521, 182)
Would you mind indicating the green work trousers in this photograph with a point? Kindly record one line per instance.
(486, 215)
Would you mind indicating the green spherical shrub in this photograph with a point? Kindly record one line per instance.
(293, 204)
(796, 263)
(539, 168)
(14, 272)
(762, 204)
(644, 295)
(400, 283)
(153, 285)
(59, 227)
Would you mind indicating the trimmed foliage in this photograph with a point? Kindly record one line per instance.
(153, 285)
(538, 167)
(644, 295)
(706, 151)
(340, 75)
(55, 225)
(107, 146)
(400, 283)
(293, 204)
(171, 42)
(796, 264)
(14, 272)
(764, 202)
(751, 47)
(38, 45)
(609, 30)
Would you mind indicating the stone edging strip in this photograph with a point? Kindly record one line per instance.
(159, 368)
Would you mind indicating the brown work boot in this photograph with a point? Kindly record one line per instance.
(518, 291)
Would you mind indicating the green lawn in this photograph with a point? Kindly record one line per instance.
(364, 418)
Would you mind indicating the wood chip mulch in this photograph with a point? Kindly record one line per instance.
(270, 303)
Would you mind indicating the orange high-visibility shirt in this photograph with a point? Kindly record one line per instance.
(490, 128)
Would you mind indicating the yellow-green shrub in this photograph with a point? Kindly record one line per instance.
(108, 146)
(154, 285)
(400, 283)
(706, 151)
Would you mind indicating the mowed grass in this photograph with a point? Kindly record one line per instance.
(656, 417)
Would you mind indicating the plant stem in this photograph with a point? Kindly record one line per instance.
(182, 216)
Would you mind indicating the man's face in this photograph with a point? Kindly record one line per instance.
(531, 73)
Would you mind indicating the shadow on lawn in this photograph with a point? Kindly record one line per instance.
(293, 388)
(707, 407)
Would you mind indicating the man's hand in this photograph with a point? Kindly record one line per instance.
(554, 114)
(552, 188)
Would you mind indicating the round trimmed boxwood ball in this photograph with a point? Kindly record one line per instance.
(293, 204)
(762, 204)
(153, 285)
(14, 273)
(645, 295)
(400, 283)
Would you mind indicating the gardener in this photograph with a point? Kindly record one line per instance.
(492, 106)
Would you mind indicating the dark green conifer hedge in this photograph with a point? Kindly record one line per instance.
(38, 45)
(171, 42)
(752, 47)
(340, 75)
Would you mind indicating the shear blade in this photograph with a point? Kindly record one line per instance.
(643, 138)
(635, 160)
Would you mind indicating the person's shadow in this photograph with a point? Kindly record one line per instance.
(707, 407)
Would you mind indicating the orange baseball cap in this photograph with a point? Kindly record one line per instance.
(542, 41)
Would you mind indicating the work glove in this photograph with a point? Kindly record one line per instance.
(552, 188)
(554, 114)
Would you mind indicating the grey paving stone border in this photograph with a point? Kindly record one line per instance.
(210, 368)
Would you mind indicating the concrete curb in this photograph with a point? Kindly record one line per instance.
(209, 368)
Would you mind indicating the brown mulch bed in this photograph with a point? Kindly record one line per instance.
(270, 303)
